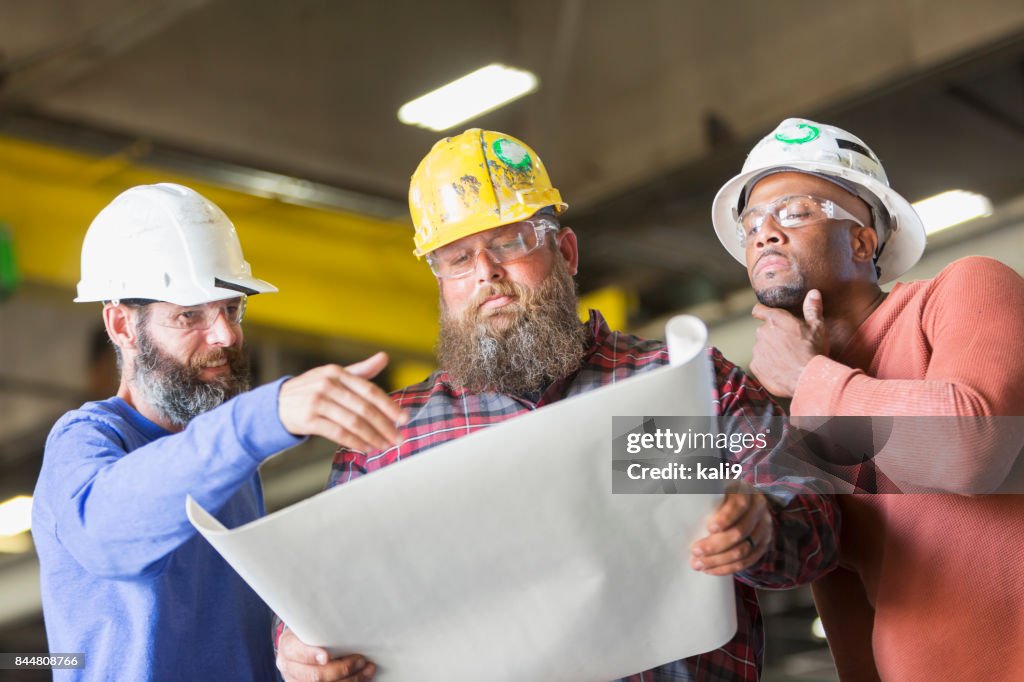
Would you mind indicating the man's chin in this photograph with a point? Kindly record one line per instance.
(787, 297)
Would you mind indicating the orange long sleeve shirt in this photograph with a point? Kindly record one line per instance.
(930, 586)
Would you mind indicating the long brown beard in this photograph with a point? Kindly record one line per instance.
(520, 348)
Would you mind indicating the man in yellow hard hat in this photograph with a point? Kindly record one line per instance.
(487, 223)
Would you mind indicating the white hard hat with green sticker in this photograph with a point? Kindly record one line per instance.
(835, 155)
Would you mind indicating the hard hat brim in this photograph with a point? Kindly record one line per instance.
(194, 295)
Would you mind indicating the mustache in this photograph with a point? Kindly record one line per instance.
(503, 288)
(229, 354)
(770, 251)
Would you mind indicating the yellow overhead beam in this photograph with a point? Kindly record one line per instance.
(340, 274)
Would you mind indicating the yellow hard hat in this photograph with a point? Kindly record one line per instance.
(474, 182)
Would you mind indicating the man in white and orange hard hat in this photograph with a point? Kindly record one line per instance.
(487, 221)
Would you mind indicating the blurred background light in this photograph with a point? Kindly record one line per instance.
(16, 515)
(818, 629)
(951, 208)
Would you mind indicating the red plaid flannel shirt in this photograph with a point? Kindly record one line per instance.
(806, 520)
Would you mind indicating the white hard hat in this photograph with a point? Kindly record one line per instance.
(841, 158)
(164, 242)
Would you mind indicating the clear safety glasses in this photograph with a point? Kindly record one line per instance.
(503, 245)
(193, 317)
(789, 213)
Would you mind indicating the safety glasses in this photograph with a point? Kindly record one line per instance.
(505, 244)
(790, 213)
(193, 317)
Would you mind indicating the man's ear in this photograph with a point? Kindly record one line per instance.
(864, 243)
(119, 321)
(569, 248)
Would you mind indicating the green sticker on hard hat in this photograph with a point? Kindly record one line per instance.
(512, 154)
(802, 132)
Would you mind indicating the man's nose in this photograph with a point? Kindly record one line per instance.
(769, 233)
(222, 332)
(486, 268)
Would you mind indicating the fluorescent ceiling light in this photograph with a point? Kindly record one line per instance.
(16, 515)
(474, 94)
(951, 208)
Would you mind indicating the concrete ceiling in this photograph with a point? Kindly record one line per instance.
(312, 87)
(643, 110)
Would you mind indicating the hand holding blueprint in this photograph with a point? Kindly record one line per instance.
(502, 555)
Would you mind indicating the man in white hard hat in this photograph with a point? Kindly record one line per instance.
(486, 219)
(126, 580)
(929, 586)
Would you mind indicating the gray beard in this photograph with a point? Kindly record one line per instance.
(175, 390)
(541, 341)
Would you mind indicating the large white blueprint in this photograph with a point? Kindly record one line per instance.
(502, 556)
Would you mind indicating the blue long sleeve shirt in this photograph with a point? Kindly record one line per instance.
(125, 577)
